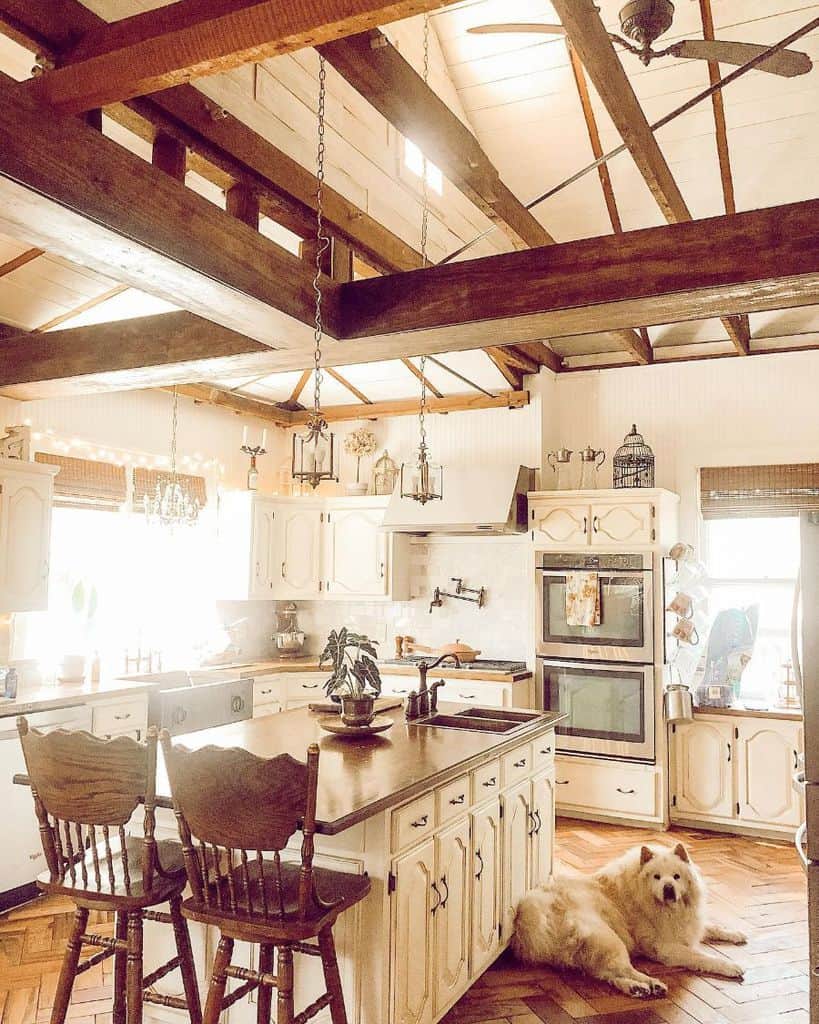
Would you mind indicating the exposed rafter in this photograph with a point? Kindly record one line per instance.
(19, 261)
(415, 371)
(588, 35)
(92, 303)
(350, 387)
(164, 47)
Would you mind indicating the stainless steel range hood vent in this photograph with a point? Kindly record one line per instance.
(476, 501)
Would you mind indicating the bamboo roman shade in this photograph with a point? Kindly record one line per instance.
(145, 481)
(84, 483)
(728, 492)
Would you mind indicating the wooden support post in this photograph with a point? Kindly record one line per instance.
(170, 156)
(242, 202)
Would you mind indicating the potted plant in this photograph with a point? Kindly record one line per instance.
(355, 679)
(360, 443)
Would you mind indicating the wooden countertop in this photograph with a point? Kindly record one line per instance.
(785, 714)
(268, 666)
(360, 778)
(448, 672)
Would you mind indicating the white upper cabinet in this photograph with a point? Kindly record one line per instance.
(263, 550)
(297, 552)
(560, 524)
(26, 491)
(357, 553)
(624, 519)
(623, 523)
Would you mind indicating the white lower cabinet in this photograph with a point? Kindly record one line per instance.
(486, 880)
(413, 938)
(542, 838)
(738, 770)
(452, 915)
(528, 842)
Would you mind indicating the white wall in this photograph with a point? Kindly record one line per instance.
(738, 411)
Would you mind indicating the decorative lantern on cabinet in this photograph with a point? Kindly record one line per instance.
(633, 462)
(385, 473)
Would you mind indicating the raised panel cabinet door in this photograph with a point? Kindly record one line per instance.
(297, 558)
(356, 553)
(263, 551)
(561, 525)
(25, 536)
(543, 828)
(704, 753)
(416, 894)
(486, 885)
(451, 953)
(767, 758)
(517, 823)
(623, 523)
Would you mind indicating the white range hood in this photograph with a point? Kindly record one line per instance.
(490, 500)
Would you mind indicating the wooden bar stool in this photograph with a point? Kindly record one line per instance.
(85, 792)
(232, 808)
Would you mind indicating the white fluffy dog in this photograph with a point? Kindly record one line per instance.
(650, 902)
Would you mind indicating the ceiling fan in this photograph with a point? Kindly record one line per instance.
(644, 21)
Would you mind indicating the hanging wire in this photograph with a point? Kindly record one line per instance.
(322, 238)
(424, 258)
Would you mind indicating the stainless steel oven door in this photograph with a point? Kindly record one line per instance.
(626, 630)
(610, 708)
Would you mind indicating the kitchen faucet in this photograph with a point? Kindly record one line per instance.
(425, 700)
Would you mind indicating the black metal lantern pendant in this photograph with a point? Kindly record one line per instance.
(633, 462)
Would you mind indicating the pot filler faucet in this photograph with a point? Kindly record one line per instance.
(420, 704)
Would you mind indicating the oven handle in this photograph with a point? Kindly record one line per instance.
(597, 666)
(605, 574)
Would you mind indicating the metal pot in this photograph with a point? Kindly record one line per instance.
(679, 706)
(357, 710)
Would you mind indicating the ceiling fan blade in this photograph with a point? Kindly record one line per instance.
(518, 26)
(786, 63)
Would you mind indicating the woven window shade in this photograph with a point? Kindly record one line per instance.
(83, 483)
(729, 492)
(145, 481)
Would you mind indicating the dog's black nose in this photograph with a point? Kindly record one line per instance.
(669, 892)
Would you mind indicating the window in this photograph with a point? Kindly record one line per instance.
(414, 160)
(754, 561)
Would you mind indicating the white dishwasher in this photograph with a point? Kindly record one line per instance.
(22, 859)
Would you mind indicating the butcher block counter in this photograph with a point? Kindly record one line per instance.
(453, 827)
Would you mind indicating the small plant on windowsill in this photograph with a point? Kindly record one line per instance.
(355, 680)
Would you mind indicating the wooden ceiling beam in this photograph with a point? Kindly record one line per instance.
(350, 387)
(149, 351)
(515, 399)
(511, 373)
(422, 378)
(148, 228)
(763, 259)
(19, 261)
(375, 69)
(205, 394)
(544, 354)
(588, 36)
(221, 148)
(160, 48)
(92, 303)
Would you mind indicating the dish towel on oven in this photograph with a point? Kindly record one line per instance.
(582, 599)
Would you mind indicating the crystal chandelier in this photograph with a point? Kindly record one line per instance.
(423, 480)
(314, 451)
(171, 505)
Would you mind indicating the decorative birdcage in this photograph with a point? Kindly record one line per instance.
(633, 462)
(385, 473)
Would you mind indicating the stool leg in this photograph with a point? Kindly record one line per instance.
(121, 932)
(332, 978)
(265, 993)
(68, 971)
(284, 1004)
(133, 988)
(187, 967)
(218, 980)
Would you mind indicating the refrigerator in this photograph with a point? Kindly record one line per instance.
(805, 642)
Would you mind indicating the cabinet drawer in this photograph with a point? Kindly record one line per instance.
(127, 716)
(464, 691)
(398, 685)
(303, 686)
(606, 788)
(543, 751)
(516, 765)
(413, 821)
(486, 781)
(452, 799)
(266, 691)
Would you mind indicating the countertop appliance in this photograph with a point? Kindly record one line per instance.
(609, 707)
(23, 857)
(182, 705)
(805, 642)
(626, 629)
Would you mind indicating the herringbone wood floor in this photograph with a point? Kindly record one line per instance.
(755, 885)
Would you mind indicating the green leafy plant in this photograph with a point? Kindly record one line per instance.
(355, 670)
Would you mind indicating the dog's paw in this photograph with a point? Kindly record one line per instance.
(729, 969)
(736, 938)
(648, 989)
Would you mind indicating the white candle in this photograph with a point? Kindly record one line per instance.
(244, 437)
(264, 439)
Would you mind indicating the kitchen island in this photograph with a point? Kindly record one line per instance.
(452, 825)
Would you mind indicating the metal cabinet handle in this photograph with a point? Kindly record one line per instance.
(381, 574)
(539, 822)
(533, 829)
(519, 764)
(264, 693)
(258, 569)
(585, 525)
(546, 750)
(458, 800)
(796, 760)
(309, 686)
(467, 696)
(596, 524)
(437, 898)
(561, 782)
(421, 822)
(122, 718)
(480, 861)
(446, 897)
(490, 782)
(729, 751)
(625, 792)
(284, 570)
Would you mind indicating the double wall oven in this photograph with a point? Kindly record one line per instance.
(602, 675)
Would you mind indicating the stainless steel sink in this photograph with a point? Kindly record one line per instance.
(480, 720)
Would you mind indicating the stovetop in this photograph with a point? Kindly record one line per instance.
(481, 665)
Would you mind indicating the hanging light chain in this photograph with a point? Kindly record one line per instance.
(174, 425)
(423, 409)
(424, 182)
(322, 239)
